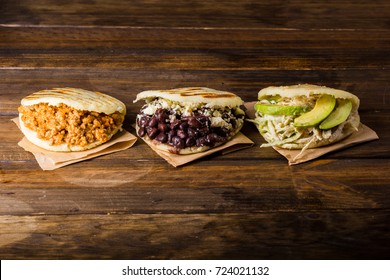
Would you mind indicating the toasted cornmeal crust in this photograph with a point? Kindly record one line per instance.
(186, 151)
(194, 95)
(32, 136)
(79, 99)
(307, 90)
(350, 125)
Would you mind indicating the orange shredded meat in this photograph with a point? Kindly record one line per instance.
(63, 124)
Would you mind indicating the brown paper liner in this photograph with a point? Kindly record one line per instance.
(239, 141)
(49, 160)
(363, 134)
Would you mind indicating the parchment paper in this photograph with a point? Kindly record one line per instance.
(240, 141)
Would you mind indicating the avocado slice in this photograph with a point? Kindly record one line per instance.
(274, 109)
(339, 115)
(324, 106)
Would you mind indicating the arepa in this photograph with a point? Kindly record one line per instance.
(305, 116)
(189, 120)
(70, 119)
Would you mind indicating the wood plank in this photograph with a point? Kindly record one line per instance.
(371, 86)
(226, 14)
(286, 235)
(149, 185)
(193, 49)
(73, 37)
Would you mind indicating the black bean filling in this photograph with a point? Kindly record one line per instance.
(184, 132)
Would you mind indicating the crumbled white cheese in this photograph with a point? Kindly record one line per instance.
(150, 110)
(187, 112)
(217, 114)
(187, 109)
(220, 122)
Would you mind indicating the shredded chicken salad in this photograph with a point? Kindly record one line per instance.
(279, 130)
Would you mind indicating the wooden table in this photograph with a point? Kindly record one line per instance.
(245, 205)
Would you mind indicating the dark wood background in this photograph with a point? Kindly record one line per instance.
(245, 205)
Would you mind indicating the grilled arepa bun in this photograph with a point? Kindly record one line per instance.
(305, 116)
(70, 119)
(188, 120)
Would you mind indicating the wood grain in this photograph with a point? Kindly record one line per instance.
(371, 85)
(321, 178)
(244, 205)
(194, 49)
(204, 14)
(286, 235)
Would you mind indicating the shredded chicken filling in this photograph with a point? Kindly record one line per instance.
(63, 124)
(279, 130)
